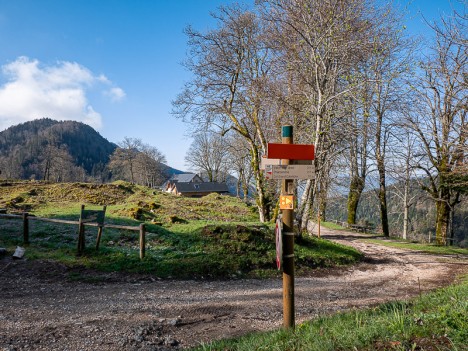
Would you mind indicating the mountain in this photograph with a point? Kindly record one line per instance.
(29, 150)
(57, 150)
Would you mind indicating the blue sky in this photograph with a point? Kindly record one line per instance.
(113, 64)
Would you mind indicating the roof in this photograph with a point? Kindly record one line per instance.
(208, 187)
(183, 177)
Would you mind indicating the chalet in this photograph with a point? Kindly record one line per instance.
(191, 185)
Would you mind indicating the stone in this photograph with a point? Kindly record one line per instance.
(19, 252)
(175, 321)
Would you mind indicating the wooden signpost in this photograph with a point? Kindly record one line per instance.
(287, 172)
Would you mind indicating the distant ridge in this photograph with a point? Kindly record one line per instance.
(24, 149)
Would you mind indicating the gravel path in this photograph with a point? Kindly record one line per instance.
(41, 309)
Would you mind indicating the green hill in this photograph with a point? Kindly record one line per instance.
(210, 237)
(25, 149)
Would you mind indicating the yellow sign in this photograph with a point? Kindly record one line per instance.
(286, 202)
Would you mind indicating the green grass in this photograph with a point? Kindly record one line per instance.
(211, 237)
(331, 225)
(436, 321)
(198, 249)
(429, 248)
(217, 236)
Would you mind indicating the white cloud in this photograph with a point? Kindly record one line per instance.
(115, 94)
(58, 91)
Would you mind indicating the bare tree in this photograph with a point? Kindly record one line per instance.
(122, 161)
(208, 154)
(440, 119)
(149, 166)
(231, 66)
(358, 114)
(322, 43)
(57, 165)
(137, 162)
(241, 164)
(401, 169)
(386, 70)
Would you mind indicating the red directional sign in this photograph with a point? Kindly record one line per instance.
(291, 151)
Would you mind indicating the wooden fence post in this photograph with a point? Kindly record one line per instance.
(81, 233)
(25, 228)
(142, 241)
(98, 239)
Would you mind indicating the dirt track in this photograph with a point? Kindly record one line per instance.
(41, 309)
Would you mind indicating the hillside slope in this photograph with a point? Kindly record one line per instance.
(422, 214)
(45, 149)
(124, 200)
(26, 148)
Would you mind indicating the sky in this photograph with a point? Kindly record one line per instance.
(114, 64)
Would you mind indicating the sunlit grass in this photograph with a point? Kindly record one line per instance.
(436, 321)
(429, 248)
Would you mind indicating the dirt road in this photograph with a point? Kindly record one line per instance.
(41, 309)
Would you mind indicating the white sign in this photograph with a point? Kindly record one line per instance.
(290, 172)
(265, 162)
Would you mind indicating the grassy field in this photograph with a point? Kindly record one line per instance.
(437, 321)
(403, 244)
(429, 248)
(211, 237)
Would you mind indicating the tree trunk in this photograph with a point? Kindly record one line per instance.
(442, 221)
(323, 208)
(259, 181)
(245, 189)
(302, 213)
(406, 207)
(383, 210)
(355, 190)
(405, 222)
(323, 192)
(383, 200)
(450, 229)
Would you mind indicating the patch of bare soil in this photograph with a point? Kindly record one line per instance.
(42, 307)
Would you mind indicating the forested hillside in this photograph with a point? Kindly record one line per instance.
(62, 151)
(52, 150)
(421, 214)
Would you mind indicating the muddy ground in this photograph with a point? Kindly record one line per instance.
(41, 308)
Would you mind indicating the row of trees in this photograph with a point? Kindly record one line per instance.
(132, 161)
(137, 162)
(350, 80)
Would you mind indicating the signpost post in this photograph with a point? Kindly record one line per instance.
(279, 243)
(293, 161)
(288, 240)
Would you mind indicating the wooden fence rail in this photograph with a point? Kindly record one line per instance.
(26, 218)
